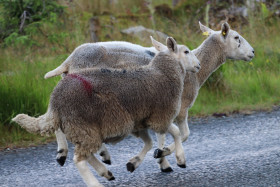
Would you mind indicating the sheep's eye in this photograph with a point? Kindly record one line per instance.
(186, 52)
(236, 37)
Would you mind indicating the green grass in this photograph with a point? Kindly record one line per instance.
(12, 136)
(23, 90)
(244, 86)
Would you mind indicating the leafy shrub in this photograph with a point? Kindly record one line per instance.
(21, 18)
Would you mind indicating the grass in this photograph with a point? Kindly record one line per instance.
(12, 136)
(23, 90)
(244, 86)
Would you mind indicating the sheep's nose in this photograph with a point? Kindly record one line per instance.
(253, 51)
(198, 67)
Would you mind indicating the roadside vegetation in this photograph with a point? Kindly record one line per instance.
(37, 36)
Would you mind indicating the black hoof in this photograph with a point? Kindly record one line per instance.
(112, 178)
(130, 167)
(182, 165)
(107, 162)
(158, 153)
(169, 169)
(61, 160)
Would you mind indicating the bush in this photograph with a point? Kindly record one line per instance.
(20, 18)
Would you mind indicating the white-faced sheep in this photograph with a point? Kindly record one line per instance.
(93, 106)
(212, 53)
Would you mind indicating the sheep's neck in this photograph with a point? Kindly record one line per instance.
(166, 65)
(211, 56)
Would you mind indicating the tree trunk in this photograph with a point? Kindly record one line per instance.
(94, 29)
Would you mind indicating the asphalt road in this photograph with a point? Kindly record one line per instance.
(240, 150)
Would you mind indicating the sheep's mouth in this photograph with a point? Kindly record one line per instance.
(249, 57)
(195, 70)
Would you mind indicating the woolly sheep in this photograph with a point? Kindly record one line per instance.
(114, 54)
(212, 53)
(93, 106)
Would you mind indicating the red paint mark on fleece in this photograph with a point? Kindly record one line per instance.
(87, 85)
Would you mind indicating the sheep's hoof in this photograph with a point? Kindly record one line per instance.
(182, 165)
(110, 176)
(158, 153)
(130, 167)
(61, 160)
(166, 170)
(107, 162)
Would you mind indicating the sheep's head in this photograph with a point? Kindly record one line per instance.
(236, 47)
(180, 52)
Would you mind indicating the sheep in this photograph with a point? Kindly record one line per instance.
(104, 54)
(114, 54)
(93, 106)
(212, 53)
(224, 44)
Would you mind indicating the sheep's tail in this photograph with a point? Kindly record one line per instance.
(63, 68)
(43, 125)
(58, 71)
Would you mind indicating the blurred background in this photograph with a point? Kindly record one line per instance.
(38, 35)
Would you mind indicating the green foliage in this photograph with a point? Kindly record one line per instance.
(18, 18)
(135, 9)
(16, 40)
(264, 10)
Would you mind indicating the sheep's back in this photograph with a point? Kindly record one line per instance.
(92, 55)
(113, 101)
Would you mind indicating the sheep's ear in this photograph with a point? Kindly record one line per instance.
(159, 46)
(225, 29)
(171, 44)
(205, 30)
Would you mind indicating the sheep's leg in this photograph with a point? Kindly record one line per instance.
(185, 132)
(62, 149)
(100, 168)
(105, 155)
(85, 172)
(137, 160)
(180, 156)
(163, 163)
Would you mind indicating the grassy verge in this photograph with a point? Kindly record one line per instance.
(23, 90)
(13, 136)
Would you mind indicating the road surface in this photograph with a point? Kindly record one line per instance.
(240, 150)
